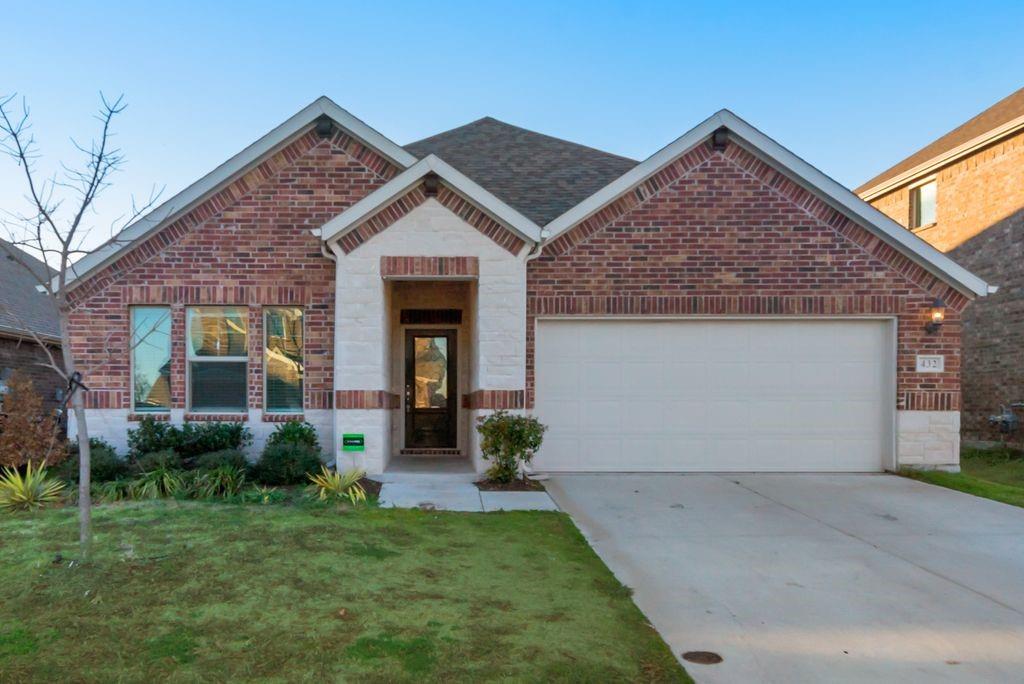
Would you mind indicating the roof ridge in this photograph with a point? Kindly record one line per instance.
(519, 128)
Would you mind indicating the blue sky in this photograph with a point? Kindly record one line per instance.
(851, 87)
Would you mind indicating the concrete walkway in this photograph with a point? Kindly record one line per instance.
(455, 492)
(813, 578)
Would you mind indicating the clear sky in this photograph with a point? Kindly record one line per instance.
(851, 87)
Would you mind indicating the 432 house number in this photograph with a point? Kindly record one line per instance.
(931, 363)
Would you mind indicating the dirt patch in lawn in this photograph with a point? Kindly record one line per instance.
(372, 487)
(519, 485)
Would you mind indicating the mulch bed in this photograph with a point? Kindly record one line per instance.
(523, 485)
(372, 487)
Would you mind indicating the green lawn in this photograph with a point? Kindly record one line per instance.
(992, 473)
(192, 592)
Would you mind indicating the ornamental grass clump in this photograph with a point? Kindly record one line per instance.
(333, 485)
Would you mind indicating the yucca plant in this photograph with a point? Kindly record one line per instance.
(30, 491)
(263, 495)
(330, 484)
(112, 491)
(223, 481)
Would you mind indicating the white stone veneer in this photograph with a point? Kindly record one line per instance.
(928, 439)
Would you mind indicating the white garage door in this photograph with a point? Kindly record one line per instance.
(701, 395)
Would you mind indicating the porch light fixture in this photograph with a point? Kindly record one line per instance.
(324, 127)
(720, 139)
(938, 315)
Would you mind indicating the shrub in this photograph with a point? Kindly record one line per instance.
(112, 491)
(166, 459)
(189, 441)
(224, 457)
(27, 431)
(104, 463)
(30, 491)
(294, 432)
(510, 441)
(263, 495)
(330, 484)
(158, 483)
(222, 481)
(286, 463)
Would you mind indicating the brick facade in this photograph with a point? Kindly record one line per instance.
(25, 356)
(980, 224)
(723, 233)
(250, 246)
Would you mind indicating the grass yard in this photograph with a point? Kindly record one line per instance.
(992, 473)
(193, 592)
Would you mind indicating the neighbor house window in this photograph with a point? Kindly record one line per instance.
(922, 205)
(151, 358)
(218, 359)
(282, 357)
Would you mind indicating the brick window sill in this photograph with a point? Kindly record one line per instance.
(158, 417)
(217, 417)
(283, 417)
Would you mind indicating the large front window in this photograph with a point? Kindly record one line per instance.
(282, 354)
(151, 358)
(218, 359)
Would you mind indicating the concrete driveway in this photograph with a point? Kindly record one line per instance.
(800, 578)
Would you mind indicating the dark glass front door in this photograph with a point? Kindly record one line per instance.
(431, 390)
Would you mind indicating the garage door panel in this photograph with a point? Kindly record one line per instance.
(704, 395)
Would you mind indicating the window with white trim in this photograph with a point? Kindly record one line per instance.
(922, 204)
(151, 358)
(282, 359)
(218, 359)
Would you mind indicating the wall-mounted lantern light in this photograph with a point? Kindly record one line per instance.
(938, 315)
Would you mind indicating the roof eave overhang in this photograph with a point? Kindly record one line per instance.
(799, 171)
(236, 166)
(929, 167)
(380, 198)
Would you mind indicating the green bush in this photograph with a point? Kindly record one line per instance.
(286, 463)
(294, 432)
(165, 459)
(223, 481)
(509, 441)
(224, 457)
(189, 441)
(105, 464)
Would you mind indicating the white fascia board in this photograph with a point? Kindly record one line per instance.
(403, 182)
(232, 168)
(834, 193)
(948, 157)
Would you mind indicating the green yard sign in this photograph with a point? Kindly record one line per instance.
(353, 442)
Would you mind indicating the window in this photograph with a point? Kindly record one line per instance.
(282, 357)
(922, 205)
(218, 359)
(151, 358)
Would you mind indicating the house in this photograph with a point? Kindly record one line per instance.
(720, 305)
(27, 318)
(964, 195)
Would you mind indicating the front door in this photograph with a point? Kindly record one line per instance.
(430, 389)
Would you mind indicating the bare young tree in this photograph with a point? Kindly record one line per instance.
(56, 227)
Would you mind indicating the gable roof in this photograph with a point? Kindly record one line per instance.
(1001, 119)
(22, 307)
(231, 169)
(403, 182)
(800, 172)
(539, 175)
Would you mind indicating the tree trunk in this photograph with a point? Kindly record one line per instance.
(84, 454)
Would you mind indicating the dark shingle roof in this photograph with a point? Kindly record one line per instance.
(1004, 111)
(22, 307)
(539, 176)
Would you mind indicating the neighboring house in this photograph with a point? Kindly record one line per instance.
(721, 305)
(964, 194)
(27, 317)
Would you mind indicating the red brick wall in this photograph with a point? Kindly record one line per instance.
(980, 224)
(724, 233)
(26, 356)
(250, 245)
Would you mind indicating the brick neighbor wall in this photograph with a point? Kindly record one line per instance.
(724, 233)
(25, 356)
(249, 245)
(980, 224)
